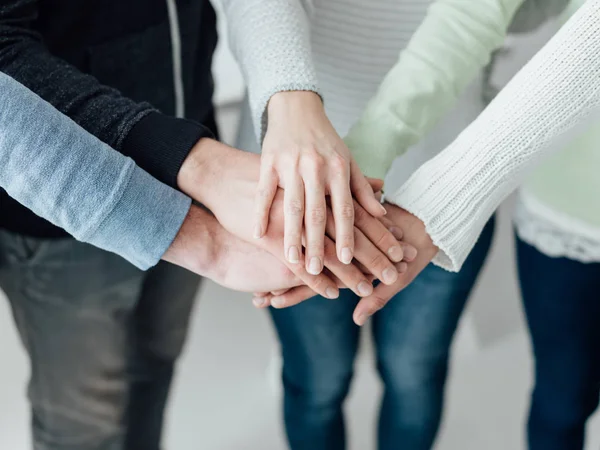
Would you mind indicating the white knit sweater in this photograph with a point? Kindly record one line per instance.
(554, 98)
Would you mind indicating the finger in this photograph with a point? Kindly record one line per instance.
(292, 297)
(265, 193)
(293, 211)
(375, 183)
(343, 213)
(363, 192)
(370, 305)
(372, 259)
(263, 301)
(321, 284)
(387, 223)
(378, 234)
(410, 252)
(349, 274)
(314, 216)
(280, 292)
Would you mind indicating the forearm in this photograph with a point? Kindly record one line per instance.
(551, 100)
(452, 45)
(65, 175)
(271, 41)
(157, 143)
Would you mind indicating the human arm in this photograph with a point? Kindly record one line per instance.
(55, 168)
(302, 152)
(156, 142)
(454, 42)
(550, 101)
(67, 176)
(554, 98)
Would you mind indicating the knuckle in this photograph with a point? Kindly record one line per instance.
(345, 239)
(346, 210)
(314, 161)
(318, 216)
(294, 208)
(264, 193)
(378, 302)
(382, 239)
(377, 261)
(315, 247)
(290, 161)
(319, 284)
(339, 165)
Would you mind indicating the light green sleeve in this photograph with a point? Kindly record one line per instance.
(452, 45)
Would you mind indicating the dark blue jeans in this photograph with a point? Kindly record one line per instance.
(412, 334)
(562, 303)
(102, 339)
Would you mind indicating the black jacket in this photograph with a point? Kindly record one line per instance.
(108, 65)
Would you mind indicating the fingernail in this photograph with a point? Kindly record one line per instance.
(410, 252)
(346, 255)
(257, 232)
(396, 232)
(364, 288)
(315, 267)
(383, 210)
(293, 255)
(259, 301)
(361, 319)
(331, 293)
(395, 253)
(390, 276)
(277, 302)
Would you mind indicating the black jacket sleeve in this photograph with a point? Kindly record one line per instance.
(156, 142)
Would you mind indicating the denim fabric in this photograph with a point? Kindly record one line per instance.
(102, 339)
(561, 298)
(412, 335)
(67, 176)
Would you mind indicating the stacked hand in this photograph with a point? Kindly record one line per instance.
(405, 226)
(225, 180)
(303, 222)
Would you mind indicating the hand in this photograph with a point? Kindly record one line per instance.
(225, 180)
(413, 233)
(303, 154)
(203, 246)
(405, 226)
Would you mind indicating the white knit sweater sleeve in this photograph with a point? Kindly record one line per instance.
(271, 41)
(551, 100)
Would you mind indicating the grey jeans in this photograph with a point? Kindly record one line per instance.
(102, 338)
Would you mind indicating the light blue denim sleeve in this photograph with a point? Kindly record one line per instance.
(67, 176)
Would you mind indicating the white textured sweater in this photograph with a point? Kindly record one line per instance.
(552, 100)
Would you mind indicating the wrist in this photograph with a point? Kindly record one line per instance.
(196, 245)
(199, 171)
(287, 102)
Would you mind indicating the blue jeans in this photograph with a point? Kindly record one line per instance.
(561, 298)
(412, 334)
(102, 339)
